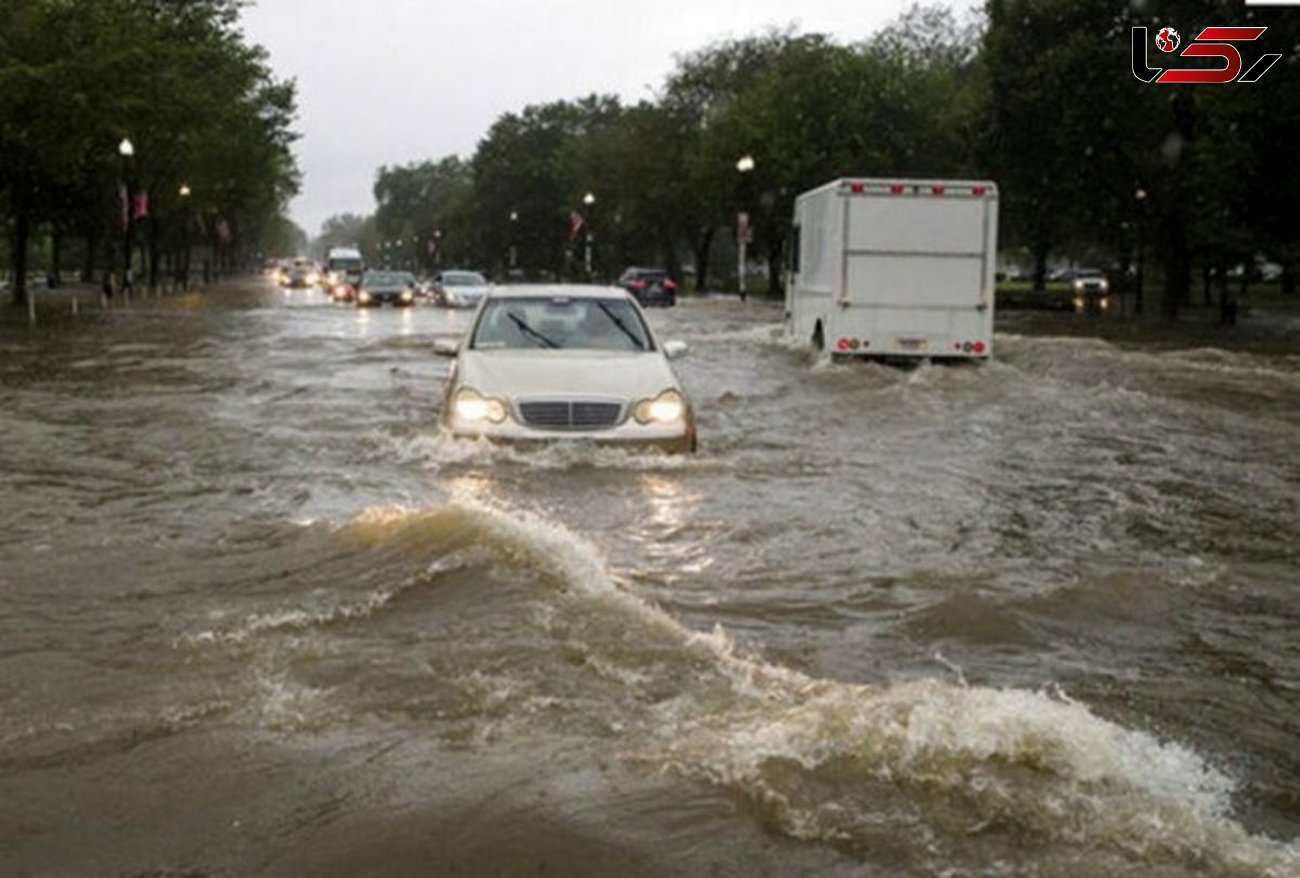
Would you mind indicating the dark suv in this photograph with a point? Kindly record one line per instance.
(651, 286)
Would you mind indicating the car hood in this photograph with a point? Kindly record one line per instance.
(524, 373)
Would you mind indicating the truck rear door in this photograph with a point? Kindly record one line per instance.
(920, 249)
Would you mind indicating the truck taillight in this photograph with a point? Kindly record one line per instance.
(937, 190)
(980, 347)
(857, 187)
(978, 190)
(897, 189)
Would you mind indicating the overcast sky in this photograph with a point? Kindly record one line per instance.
(388, 82)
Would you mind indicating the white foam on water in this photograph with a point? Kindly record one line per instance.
(437, 449)
(804, 749)
(1046, 763)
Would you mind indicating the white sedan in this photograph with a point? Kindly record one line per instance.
(460, 289)
(565, 362)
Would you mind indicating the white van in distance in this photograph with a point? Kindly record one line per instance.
(893, 268)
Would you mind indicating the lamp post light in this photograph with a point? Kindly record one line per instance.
(185, 193)
(745, 166)
(588, 200)
(1140, 196)
(126, 150)
(514, 226)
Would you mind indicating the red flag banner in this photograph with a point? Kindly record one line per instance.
(576, 222)
(140, 205)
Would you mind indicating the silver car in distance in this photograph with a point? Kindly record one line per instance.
(564, 363)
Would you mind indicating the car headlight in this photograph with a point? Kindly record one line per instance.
(1104, 285)
(1078, 286)
(407, 295)
(665, 408)
(364, 296)
(470, 405)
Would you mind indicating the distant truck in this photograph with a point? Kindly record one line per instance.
(343, 268)
(895, 269)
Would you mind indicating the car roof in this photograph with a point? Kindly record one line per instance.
(558, 291)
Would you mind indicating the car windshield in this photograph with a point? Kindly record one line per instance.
(385, 278)
(339, 264)
(463, 279)
(561, 323)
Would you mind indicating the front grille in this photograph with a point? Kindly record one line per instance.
(570, 414)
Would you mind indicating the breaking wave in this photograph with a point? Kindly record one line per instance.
(973, 770)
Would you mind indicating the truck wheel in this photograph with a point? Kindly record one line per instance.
(818, 338)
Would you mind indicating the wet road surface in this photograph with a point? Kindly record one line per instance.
(258, 617)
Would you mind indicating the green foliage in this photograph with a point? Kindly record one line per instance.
(1033, 94)
(417, 210)
(176, 78)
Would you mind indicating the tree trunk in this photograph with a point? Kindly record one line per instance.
(671, 262)
(703, 243)
(775, 282)
(1178, 267)
(1227, 302)
(88, 260)
(56, 258)
(1041, 250)
(153, 254)
(22, 232)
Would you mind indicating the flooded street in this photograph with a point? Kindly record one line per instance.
(257, 617)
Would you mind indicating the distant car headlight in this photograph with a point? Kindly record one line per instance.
(665, 408)
(470, 405)
(1078, 286)
(407, 295)
(1103, 285)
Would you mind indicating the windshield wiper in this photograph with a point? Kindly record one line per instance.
(617, 321)
(529, 331)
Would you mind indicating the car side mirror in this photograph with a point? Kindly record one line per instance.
(446, 347)
(675, 350)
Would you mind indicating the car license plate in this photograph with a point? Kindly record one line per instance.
(911, 344)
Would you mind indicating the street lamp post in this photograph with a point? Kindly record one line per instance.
(588, 200)
(185, 193)
(1140, 196)
(514, 225)
(745, 165)
(126, 150)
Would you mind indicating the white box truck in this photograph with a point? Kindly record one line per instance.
(895, 268)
